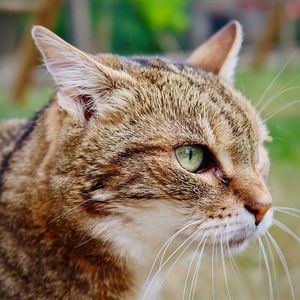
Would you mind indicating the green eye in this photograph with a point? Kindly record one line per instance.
(190, 157)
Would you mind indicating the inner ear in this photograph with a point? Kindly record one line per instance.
(86, 102)
(80, 106)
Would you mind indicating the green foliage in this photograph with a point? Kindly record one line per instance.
(135, 25)
(285, 146)
(163, 14)
(130, 34)
(35, 100)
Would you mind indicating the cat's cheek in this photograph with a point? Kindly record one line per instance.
(137, 233)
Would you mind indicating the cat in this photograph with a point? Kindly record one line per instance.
(129, 152)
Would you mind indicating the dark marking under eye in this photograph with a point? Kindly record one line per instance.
(96, 186)
(101, 181)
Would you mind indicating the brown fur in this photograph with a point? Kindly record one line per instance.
(53, 166)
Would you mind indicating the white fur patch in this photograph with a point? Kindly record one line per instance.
(228, 69)
(71, 106)
(139, 240)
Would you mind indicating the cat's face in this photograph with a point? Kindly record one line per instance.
(151, 148)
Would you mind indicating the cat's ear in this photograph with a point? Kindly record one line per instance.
(220, 53)
(82, 81)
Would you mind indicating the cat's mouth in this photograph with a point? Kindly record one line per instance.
(237, 245)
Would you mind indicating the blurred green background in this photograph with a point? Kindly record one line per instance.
(174, 28)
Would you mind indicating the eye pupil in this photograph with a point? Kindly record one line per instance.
(189, 150)
(190, 157)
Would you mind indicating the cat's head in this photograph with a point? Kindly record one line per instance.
(145, 147)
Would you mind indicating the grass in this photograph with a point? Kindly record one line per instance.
(35, 99)
(284, 182)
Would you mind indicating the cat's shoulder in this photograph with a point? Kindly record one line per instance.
(10, 130)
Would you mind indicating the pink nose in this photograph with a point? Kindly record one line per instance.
(258, 210)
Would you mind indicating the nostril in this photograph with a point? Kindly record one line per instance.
(258, 210)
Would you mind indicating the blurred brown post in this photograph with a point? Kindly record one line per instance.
(45, 15)
(271, 33)
(17, 6)
(80, 12)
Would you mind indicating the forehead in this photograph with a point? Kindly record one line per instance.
(192, 105)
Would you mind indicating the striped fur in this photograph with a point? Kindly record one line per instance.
(91, 187)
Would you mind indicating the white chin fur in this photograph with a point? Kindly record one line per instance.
(261, 229)
(239, 248)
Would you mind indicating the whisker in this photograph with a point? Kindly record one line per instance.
(288, 83)
(281, 208)
(286, 229)
(193, 285)
(224, 267)
(68, 211)
(279, 109)
(167, 244)
(188, 273)
(273, 265)
(168, 259)
(190, 266)
(84, 242)
(283, 262)
(273, 98)
(267, 267)
(260, 262)
(234, 266)
(175, 262)
(288, 213)
(274, 80)
(213, 265)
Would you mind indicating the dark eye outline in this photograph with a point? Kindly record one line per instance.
(208, 161)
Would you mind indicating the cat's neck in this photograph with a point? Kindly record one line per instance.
(37, 219)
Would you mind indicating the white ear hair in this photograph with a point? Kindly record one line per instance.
(75, 72)
(220, 53)
(228, 69)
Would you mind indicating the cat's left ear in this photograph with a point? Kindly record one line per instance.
(83, 82)
(219, 54)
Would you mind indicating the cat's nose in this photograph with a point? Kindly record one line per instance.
(258, 210)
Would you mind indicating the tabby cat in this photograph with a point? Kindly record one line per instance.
(129, 152)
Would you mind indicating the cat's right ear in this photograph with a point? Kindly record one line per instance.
(82, 81)
(219, 54)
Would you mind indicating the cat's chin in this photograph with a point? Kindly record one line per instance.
(237, 246)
